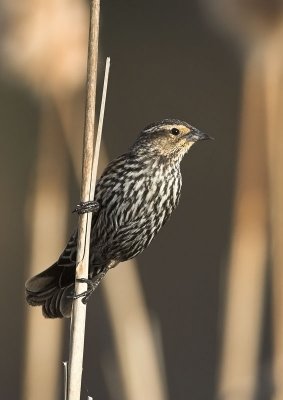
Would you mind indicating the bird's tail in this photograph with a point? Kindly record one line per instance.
(49, 290)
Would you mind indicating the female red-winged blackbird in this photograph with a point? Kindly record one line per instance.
(136, 195)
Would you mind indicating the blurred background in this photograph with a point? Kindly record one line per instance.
(199, 315)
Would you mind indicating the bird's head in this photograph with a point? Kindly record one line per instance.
(169, 138)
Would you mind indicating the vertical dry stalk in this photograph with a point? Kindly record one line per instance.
(99, 128)
(79, 309)
(245, 288)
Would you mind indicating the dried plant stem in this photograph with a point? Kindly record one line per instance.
(65, 365)
(99, 129)
(84, 225)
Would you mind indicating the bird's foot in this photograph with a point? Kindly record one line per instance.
(87, 207)
(91, 286)
(87, 293)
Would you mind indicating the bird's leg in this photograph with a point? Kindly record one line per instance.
(87, 207)
(91, 286)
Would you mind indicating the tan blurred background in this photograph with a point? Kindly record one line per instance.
(199, 315)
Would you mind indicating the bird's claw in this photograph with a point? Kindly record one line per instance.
(87, 207)
(87, 293)
(91, 286)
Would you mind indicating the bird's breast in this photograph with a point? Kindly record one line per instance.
(134, 208)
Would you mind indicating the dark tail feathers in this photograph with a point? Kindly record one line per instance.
(46, 290)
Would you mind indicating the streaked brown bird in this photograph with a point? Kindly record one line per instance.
(135, 196)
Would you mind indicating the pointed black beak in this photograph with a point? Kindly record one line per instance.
(195, 135)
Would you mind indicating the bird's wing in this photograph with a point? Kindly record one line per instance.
(69, 256)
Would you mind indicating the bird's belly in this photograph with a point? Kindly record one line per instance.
(134, 235)
(132, 217)
(131, 239)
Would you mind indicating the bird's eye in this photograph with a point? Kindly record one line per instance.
(175, 131)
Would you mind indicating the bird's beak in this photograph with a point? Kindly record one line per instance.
(195, 135)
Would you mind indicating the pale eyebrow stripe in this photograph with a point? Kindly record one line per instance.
(163, 126)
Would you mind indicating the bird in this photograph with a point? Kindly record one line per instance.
(134, 197)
